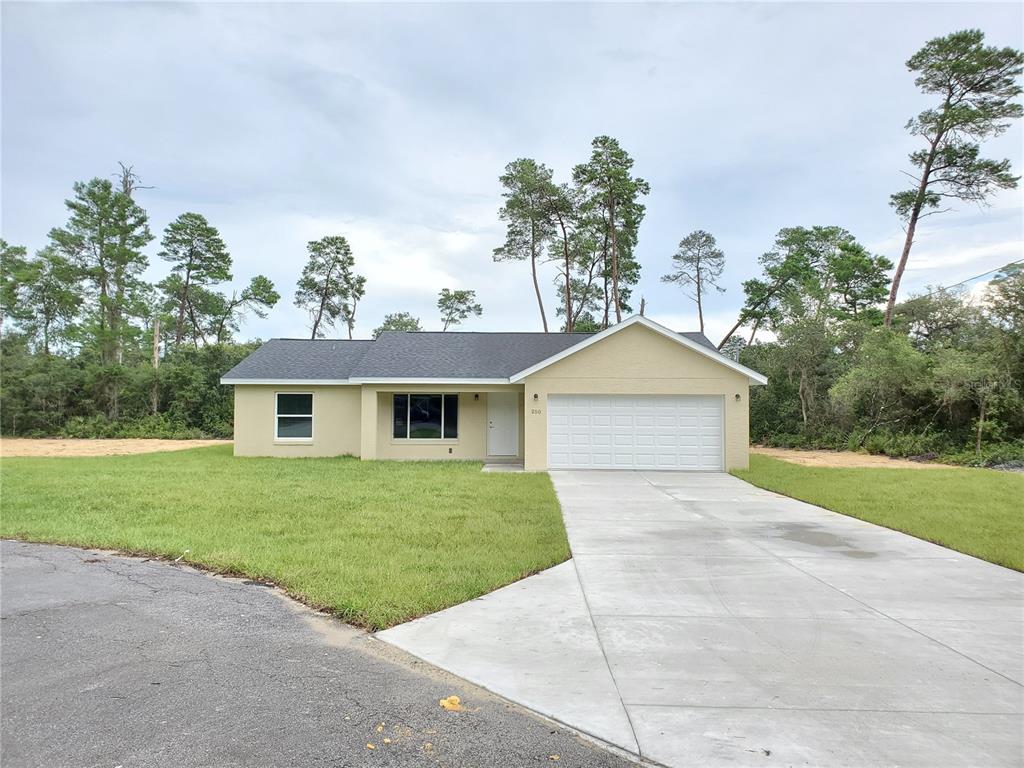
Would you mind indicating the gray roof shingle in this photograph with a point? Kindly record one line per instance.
(401, 354)
(397, 354)
(301, 359)
(700, 338)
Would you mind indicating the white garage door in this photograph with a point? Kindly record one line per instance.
(634, 432)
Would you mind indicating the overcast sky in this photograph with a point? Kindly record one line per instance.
(390, 124)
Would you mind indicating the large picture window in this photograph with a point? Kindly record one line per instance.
(294, 416)
(425, 417)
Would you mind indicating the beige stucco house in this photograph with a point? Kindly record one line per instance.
(634, 396)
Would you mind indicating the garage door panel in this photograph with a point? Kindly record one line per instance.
(635, 432)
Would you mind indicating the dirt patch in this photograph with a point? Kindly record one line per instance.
(20, 446)
(842, 459)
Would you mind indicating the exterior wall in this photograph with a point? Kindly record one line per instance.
(472, 440)
(356, 420)
(638, 361)
(335, 422)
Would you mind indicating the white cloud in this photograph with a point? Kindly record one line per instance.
(941, 258)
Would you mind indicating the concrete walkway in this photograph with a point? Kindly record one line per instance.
(703, 621)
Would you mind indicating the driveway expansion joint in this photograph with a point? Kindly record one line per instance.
(604, 655)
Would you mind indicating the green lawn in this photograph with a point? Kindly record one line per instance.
(376, 543)
(976, 511)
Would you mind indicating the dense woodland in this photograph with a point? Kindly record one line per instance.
(91, 349)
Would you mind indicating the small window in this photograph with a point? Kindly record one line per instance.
(294, 416)
(451, 416)
(400, 420)
(425, 417)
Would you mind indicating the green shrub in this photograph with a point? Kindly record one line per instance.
(997, 453)
(786, 440)
(86, 427)
(899, 444)
(159, 426)
(220, 429)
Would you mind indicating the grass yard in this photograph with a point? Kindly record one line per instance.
(376, 543)
(976, 511)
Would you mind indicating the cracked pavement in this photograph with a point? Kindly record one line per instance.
(110, 661)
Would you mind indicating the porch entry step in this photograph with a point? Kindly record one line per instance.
(503, 466)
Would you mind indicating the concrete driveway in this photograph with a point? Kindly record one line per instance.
(703, 621)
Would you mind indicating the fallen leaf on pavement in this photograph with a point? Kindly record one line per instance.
(452, 704)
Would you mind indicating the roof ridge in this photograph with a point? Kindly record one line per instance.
(493, 333)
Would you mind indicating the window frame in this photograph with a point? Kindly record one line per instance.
(408, 417)
(312, 420)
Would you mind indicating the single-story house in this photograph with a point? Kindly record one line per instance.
(634, 396)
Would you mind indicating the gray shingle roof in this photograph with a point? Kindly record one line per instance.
(396, 354)
(301, 359)
(700, 338)
(400, 354)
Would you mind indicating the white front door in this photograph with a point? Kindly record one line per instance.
(635, 432)
(502, 423)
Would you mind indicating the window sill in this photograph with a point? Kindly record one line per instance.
(425, 441)
(293, 441)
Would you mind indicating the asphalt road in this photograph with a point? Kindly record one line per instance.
(112, 661)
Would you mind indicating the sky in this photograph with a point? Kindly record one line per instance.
(391, 124)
